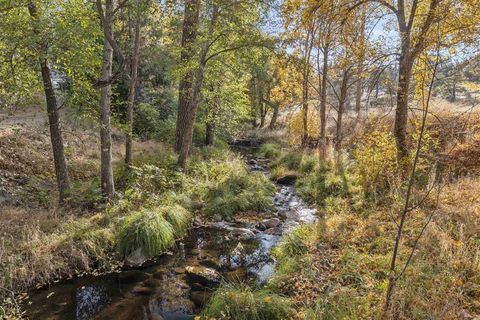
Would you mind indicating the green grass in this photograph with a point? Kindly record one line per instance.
(147, 230)
(240, 192)
(270, 150)
(244, 303)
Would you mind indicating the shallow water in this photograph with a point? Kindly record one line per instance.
(238, 251)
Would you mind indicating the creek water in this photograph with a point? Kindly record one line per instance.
(177, 284)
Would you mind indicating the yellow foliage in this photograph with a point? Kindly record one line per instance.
(295, 126)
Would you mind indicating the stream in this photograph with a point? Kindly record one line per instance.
(177, 284)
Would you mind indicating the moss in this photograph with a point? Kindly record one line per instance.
(244, 303)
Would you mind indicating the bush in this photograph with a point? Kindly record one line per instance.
(243, 303)
(146, 121)
(270, 150)
(146, 230)
(240, 192)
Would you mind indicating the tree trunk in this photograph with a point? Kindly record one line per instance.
(306, 73)
(191, 115)
(60, 162)
(189, 37)
(274, 119)
(403, 90)
(210, 133)
(322, 141)
(131, 94)
(106, 175)
(341, 109)
(361, 60)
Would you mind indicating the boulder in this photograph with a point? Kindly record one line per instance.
(242, 233)
(205, 276)
(269, 223)
(288, 179)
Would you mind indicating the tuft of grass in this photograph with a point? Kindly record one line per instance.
(270, 150)
(296, 242)
(179, 218)
(243, 303)
(240, 192)
(146, 230)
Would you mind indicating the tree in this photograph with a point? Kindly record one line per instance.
(139, 12)
(105, 83)
(226, 27)
(60, 162)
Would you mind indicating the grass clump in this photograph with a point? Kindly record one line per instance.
(270, 150)
(296, 242)
(147, 231)
(244, 303)
(240, 192)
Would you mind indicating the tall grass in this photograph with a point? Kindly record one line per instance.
(243, 303)
(147, 231)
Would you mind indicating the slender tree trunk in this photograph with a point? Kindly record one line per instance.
(403, 90)
(341, 110)
(106, 175)
(189, 36)
(274, 119)
(361, 60)
(322, 141)
(131, 93)
(306, 73)
(60, 162)
(210, 133)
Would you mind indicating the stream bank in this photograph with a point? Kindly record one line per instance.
(177, 284)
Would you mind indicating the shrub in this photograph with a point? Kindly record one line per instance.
(309, 163)
(375, 161)
(243, 303)
(270, 150)
(147, 230)
(146, 120)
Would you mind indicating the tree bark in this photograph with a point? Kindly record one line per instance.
(274, 119)
(210, 133)
(403, 90)
(341, 109)
(361, 60)
(185, 95)
(306, 73)
(60, 162)
(322, 141)
(131, 94)
(106, 174)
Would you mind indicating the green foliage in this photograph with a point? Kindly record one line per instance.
(270, 150)
(324, 183)
(179, 218)
(147, 231)
(146, 121)
(240, 192)
(290, 160)
(244, 303)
